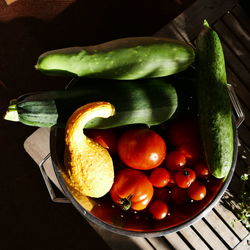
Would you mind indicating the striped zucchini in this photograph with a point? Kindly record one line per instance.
(148, 101)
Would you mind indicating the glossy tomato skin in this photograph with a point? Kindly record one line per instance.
(197, 191)
(185, 177)
(132, 188)
(141, 148)
(107, 138)
(158, 209)
(191, 151)
(201, 169)
(175, 160)
(184, 136)
(172, 182)
(159, 177)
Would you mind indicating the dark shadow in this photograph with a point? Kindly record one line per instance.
(23, 39)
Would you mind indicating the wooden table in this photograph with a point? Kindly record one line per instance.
(220, 229)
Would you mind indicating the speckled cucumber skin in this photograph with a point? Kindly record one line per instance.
(126, 59)
(214, 103)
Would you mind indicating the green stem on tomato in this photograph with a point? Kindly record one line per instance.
(125, 204)
(186, 172)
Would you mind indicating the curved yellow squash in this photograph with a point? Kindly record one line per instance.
(89, 167)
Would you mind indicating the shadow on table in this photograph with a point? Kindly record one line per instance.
(23, 39)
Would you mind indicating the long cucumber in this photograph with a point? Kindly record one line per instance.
(126, 59)
(215, 112)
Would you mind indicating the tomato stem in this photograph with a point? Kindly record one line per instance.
(125, 204)
(186, 172)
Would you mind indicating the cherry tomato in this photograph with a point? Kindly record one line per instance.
(171, 182)
(201, 169)
(131, 188)
(197, 191)
(183, 131)
(105, 137)
(163, 194)
(191, 150)
(141, 148)
(179, 195)
(158, 209)
(159, 177)
(185, 177)
(175, 160)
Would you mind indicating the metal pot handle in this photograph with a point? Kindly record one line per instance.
(236, 104)
(48, 183)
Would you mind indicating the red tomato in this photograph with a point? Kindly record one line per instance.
(158, 209)
(171, 182)
(131, 188)
(163, 194)
(183, 131)
(105, 137)
(201, 169)
(191, 150)
(197, 191)
(159, 177)
(175, 160)
(141, 148)
(185, 177)
(179, 195)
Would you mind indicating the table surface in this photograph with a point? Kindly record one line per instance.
(29, 219)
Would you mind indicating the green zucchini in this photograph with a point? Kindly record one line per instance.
(148, 101)
(214, 106)
(126, 59)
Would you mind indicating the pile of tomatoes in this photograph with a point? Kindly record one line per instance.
(158, 167)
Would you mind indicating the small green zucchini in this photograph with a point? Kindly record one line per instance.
(215, 112)
(127, 59)
(148, 101)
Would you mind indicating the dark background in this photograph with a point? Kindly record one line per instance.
(28, 218)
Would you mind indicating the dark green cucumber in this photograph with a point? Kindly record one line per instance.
(126, 58)
(150, 101)
(215, 112)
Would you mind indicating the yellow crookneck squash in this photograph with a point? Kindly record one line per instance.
(89, 167)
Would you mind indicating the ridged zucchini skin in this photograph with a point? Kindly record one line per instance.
(148, 101)
(125, 59)
(216, 124)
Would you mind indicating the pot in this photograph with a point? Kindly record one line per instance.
(90, 209)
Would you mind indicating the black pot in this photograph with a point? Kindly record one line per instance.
(84, 204)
